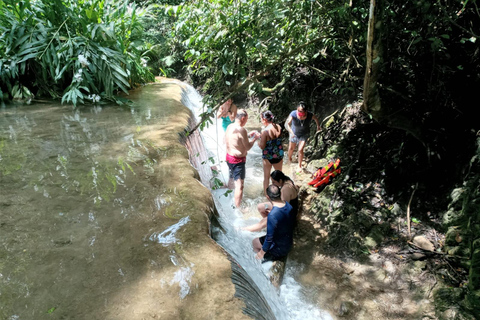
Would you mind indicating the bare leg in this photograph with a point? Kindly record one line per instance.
(278, 166)
(238, 192)
(257, 245)
(230, 184)
(267, 167)
(291, 147)
(301, 146)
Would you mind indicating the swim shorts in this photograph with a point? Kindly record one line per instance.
(236, 166)
(237, 170)
(235, 159)
(268, 256)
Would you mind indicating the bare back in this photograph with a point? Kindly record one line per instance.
(289, 191)
(236, 140)
(272, 131)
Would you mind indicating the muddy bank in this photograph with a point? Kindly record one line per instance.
(393, 249)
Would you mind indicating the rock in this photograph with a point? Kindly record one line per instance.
(370, 242)
(276, 272)
(313, 165)
(420, 265)
(375, 236)
(424, 243)
(417, 256)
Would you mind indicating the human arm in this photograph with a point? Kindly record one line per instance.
(262, 224)
(260, 254)
(232, 112)
(247, 143)
(221, 111)
(262, 143)
(288, 125)
(271, 227)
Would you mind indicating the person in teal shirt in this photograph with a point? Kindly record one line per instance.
(227, 112)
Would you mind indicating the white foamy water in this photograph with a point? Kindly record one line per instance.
(287, 302)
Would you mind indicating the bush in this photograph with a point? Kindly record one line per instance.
(76, 50)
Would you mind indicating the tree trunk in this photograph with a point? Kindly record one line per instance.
(371, 98)
(372, 103)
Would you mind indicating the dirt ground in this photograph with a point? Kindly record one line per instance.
(383, 285)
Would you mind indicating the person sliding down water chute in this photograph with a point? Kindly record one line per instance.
(298, 126)
(289, 193)
(278, 241)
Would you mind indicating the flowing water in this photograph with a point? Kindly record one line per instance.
(94, 219)
(290, 301)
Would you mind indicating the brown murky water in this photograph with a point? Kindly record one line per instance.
(101, 216)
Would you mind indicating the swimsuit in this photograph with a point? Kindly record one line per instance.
(273, 151)
(225, 122)
(235, 159)
(236, 166)
(294, 202)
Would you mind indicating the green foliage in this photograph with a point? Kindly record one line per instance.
(428, 45)
(264, 47)
(243, 37)
(164, 49)
(77, 50)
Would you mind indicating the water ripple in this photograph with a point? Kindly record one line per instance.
(167, 236)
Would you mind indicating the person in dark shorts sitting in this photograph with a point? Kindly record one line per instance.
(278, 241)
(289, 193)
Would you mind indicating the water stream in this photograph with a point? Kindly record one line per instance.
(98, 219)
(289, 302)
(95, 215)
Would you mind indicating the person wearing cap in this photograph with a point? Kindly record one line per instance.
(298, 126)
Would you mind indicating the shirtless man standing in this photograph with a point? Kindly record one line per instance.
(238, 144)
